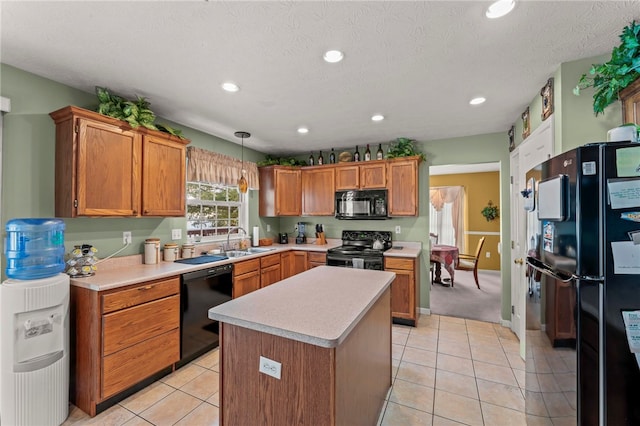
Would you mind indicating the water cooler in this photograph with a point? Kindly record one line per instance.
(34, 325)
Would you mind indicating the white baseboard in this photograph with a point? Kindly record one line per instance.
(424, 311)
(505, 323)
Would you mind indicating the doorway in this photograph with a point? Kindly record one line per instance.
(479, 185)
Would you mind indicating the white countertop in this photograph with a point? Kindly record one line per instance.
(319, 306)
(106, 279)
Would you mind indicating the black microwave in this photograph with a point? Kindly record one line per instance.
(365, 204)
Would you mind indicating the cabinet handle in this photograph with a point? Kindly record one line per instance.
(146, 287)
(135, 212)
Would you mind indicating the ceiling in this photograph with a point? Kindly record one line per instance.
(417, 63)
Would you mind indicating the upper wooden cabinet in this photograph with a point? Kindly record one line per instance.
(402, 184)
(369, 175)
(106, 168)
(318, 191)
(280, 191)
(630, 98)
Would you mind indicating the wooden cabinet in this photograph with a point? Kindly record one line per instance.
(246, 277)
(369, 175)
(315, 258)
(280, 191)
(560, 301)
(318, 191)
(286, 264)
(402, 175)
(106, 168)
(405, 289)
(122, 337)
(299, 261)
(630, 99)
(269, 270)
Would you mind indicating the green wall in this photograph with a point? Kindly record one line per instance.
(28, 169)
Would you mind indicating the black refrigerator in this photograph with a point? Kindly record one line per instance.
(588, 206)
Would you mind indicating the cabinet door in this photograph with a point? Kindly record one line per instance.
(269, 275)
(316, 259)
(347, 177)
(373, 176)
(286, 265)
(403, 187)
(246, 283)
(288, 193)
(299, 262)
(164, 175)
(403, 303)
(107, 174)
(630, 99)
(318, 192)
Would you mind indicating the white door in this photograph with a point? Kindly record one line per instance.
(537, 148)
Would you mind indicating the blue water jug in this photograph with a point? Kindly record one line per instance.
(34, 248)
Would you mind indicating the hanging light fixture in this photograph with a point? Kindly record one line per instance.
(242, 182)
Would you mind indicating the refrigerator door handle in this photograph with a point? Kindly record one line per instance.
(547, 270)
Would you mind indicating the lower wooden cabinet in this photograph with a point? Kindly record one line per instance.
(121, 337)
(246, 277)
(560, 303)
(405, 289)
(269, 270)
(299, 262)
(315, 258)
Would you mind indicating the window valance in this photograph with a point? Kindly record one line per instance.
(212, 167)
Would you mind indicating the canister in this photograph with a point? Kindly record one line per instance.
(151, 251)
(170, 252)
(188, 250)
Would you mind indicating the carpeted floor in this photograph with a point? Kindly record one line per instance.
(465, 300)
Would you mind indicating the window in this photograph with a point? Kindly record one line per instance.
(213, 210)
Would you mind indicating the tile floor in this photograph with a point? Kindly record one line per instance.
(446, 371)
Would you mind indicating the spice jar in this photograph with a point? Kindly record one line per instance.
(170, 252)
(188, 250)
(152, 251)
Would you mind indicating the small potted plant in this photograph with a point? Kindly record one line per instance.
(620, 71)
(490, 212)
(404, 147)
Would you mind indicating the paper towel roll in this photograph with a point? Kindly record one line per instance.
(256, 236)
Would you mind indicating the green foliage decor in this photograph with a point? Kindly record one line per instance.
(404, 147)
(137, 113)
(490, 212)
(280, 161)
(622, 69)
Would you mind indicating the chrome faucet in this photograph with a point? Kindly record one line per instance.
(239, 228)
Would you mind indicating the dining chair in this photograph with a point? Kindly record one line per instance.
(468, 262)
(433, 238)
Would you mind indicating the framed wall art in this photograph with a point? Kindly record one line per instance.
(526, 124)
(546, 94)
(512, 142)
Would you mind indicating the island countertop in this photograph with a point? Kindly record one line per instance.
(320, 306)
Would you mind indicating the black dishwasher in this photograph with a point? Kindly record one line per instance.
(200, 291)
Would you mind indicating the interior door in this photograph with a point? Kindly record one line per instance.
(537, 148)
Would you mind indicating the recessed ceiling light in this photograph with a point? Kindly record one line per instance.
(377, 117)
(230, 87)
(333, 56)
(477, 101)
(500, 8)
(303, 130)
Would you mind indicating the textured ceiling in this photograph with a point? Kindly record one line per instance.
(418, 63)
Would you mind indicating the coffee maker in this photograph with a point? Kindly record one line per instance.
(301, 238)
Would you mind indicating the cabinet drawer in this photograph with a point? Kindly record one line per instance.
(135, 363)
(142, 293)
(317, 257)
(245, 266)
(270, 260)
(398, 263)
(133, 325)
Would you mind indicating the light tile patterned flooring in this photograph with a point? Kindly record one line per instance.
(446, 371)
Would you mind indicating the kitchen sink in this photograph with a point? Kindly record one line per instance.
(259, 249)
(251, 250)
(236, 253)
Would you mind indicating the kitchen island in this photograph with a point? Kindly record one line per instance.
(325, 332)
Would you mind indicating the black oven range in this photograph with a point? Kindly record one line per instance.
(360, 249)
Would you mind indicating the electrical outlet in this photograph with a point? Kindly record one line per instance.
(270, 367)
(268, 228)
(126, 237)
(488, 254)
(176, 234)
(398, 230)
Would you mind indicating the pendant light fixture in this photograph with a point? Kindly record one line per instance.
(242, 182)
